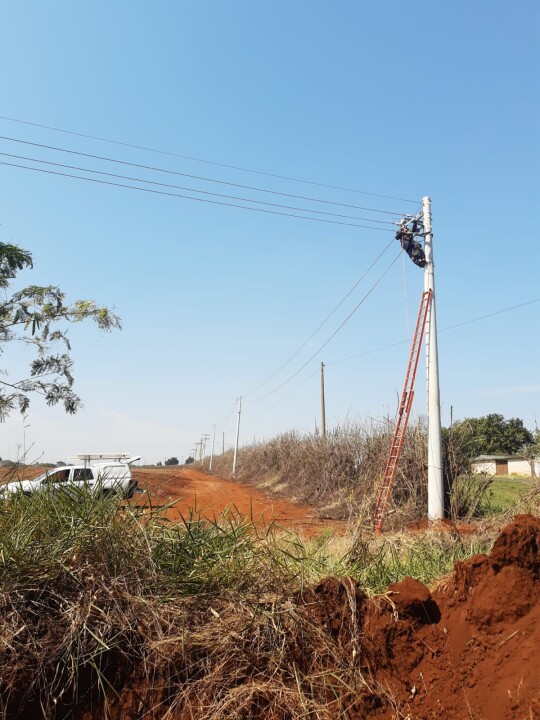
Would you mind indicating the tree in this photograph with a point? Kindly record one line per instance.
(189, 460)
(493, 435)
(531, 452)
(36, 316)
(172, 461)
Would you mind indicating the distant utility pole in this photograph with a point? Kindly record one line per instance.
(323, 408)
(435, 464)
(237, 436)
(223, 445)
(213, 445)
(204, 439)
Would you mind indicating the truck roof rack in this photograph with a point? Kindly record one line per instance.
(102, 456)
(125, 458)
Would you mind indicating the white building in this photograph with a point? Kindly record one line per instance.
(504, 465)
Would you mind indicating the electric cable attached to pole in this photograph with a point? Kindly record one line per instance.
(411, 227)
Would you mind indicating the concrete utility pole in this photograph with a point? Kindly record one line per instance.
(323, 408)
(237, 436)
(204, 440)
(435, 464)
(223, 443)
(213, 445)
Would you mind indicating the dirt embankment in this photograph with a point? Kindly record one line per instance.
(468, 649)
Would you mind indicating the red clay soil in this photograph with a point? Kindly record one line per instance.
(470, 649)
(209, 495)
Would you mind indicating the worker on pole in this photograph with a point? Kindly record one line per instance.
(410, 228)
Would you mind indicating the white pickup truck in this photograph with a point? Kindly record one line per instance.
(110, 476)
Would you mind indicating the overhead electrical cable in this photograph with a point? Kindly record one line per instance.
(207, 162)
(191, 189)
(332, 312)
(448, 327)
(332, 336)
(189, 197)
(387, 347)
(287, 395)
(497, 312)
(194, 177)
(222, 425)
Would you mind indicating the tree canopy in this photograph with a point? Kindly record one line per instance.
(38, 316)
(172, 461)
(493, 435)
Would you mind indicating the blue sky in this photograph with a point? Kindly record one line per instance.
(390, 98)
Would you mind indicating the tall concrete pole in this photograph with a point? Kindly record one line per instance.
(237, 436)
(323, 407)
(435, 463)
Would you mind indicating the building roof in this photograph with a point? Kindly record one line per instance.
(488, 458)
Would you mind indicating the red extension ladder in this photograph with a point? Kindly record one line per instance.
(403, 414)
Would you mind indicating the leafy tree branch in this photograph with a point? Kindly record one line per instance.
(37, 316)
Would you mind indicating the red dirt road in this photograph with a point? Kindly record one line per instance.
(210, 495)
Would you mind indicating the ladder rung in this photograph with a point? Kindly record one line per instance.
(404, 410)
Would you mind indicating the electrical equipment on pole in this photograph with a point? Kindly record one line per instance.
(411, 227)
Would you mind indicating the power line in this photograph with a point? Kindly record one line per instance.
(377, 282)
(188, 197)
(336, 308)
(448, 327)
(287, 395)
(193, 177)
(190, 189)
(207, 162)
(222, 425)
(497, 312)
(387, 347)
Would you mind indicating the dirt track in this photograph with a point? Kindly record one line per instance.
(210, 495)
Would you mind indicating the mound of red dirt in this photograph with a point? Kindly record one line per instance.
(469, 649)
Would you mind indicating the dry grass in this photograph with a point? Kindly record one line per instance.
(339, 474)
(102, 612)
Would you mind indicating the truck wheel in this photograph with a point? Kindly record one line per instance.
(130, 492)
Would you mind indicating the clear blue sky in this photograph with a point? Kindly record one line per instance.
(391, 98)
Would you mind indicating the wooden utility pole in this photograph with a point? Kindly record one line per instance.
(323, 408)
